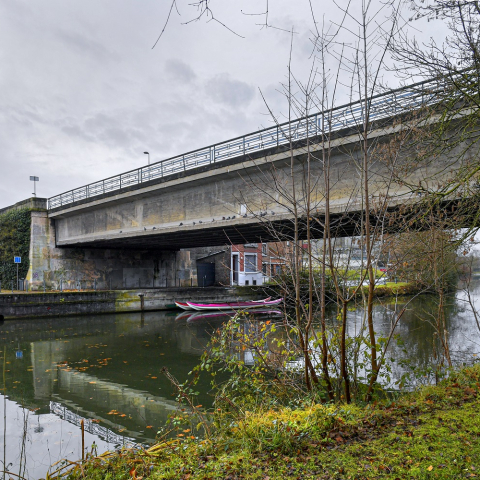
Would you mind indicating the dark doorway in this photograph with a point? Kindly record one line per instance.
(235, 269)
(205, 274)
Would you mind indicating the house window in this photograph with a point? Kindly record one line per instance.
(278, 269)
(250, 263)
(264, 268)
(264, 249)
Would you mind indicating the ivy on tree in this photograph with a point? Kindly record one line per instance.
(14, 241)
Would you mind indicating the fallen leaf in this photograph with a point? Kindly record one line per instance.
(430, 468)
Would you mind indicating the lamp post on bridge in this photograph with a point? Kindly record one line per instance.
(146, 153)
(34, 180)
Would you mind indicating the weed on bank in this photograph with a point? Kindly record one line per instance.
(433, 433)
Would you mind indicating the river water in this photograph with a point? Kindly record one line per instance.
(106, 370)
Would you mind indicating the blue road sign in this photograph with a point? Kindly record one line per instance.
(17, 259)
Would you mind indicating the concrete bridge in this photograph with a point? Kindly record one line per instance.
(141, 224)
(225, 193)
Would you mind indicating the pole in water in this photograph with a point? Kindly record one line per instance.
(82, 424)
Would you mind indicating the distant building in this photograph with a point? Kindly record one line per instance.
(257, 263)
(247, 264)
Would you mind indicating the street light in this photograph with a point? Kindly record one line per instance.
(146, 153)
(34, 180)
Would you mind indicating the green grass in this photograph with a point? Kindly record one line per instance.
(430, 434)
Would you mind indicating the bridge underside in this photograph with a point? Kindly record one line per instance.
(447, 214)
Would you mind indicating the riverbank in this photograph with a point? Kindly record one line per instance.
(431, 433)
(56, 304)
(388, 289)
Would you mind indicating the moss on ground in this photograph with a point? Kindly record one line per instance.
(394, 289)
(430, 434)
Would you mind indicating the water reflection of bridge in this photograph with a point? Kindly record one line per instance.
(52, 368)
(130, 407)
(90, 426)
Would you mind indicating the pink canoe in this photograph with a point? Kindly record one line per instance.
(234, 305)
(183, 306)
(186, 305)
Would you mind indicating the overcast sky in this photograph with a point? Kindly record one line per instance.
(83, 94)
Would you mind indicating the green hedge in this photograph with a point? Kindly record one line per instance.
(14, 241)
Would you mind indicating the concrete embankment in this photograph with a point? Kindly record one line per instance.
(56, 304)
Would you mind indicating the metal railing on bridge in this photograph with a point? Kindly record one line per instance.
(381, 106)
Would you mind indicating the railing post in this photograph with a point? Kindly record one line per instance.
(184, 167)
(278, 137)
(161, 169)
(213, 155)
(103, 181)
(244, 146)
(140, 175)
(120, 181)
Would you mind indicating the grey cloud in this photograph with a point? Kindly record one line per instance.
(228, 91)
(77, 131)
(179, 71)
(86, 46)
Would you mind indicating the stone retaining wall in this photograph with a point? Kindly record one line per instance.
(57, 304)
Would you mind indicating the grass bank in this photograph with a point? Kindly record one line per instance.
(433, 433)
(391, 289)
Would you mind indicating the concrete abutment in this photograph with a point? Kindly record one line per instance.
(73, 268)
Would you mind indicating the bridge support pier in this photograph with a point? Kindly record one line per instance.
(78, 268)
